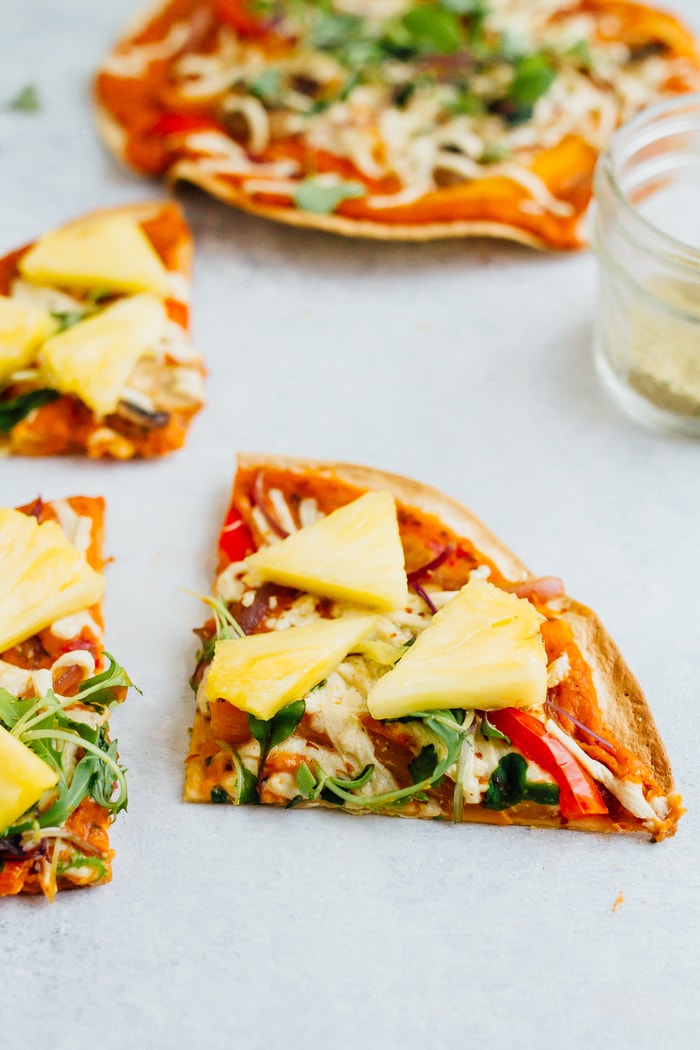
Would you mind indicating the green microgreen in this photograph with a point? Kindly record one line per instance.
(67, 318)
(489, 732)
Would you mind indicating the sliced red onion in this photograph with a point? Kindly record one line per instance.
(430, 566)
(259, 500)
(426, 597)
(544, 588)
(567, 714)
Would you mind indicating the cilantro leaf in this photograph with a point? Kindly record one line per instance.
(15, 409)
(322, 198)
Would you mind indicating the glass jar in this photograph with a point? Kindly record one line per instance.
(646, 234)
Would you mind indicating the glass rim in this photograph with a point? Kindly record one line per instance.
(680, 253)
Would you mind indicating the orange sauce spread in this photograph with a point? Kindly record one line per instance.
(137, 103)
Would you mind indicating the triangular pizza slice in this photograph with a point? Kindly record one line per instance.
(61, 783)
(482, 694)
(95, 355)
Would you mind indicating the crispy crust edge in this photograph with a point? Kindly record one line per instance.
(621, 698)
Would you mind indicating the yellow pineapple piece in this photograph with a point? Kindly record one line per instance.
(353, 554)
(108, 253)
(264, 672)
(22, 330)
(44, 577)
(94, 358)
(482, 650)
(24, 777)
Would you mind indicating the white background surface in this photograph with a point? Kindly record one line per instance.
(465, 365)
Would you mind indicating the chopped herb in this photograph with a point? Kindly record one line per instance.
(27, 100)
(82, 860)
(322, 198)
(508, 785)
(15, 409)
(217, 794)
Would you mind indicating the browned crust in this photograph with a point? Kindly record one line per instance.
(189, 171)
(623, 704)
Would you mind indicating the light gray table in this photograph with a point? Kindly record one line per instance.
(466, 365)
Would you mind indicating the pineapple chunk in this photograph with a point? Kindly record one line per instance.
(22, 329)
(110, 253)
(483, 650)
(94, 358)
(24, 777)
(44, 577)
(264, 672)
(353, 554)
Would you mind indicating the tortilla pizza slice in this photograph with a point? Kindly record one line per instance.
(61, 783)
(399, 119)
(375, 648)
(95, 355)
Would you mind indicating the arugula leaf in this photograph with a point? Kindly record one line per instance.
(434, 28)
(423, 766)
(508, 785)
(322, 198)
(98, 691)
(27, 100)
(490, 732)
(14, 410)
(285, 722)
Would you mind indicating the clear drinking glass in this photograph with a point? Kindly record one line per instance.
(646, 234)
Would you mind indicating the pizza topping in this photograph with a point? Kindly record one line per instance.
(44, 577)
(24, 777)
(95, 358)
(482, 650)
(22, 329)
(263, 672)
(353, 554)
(109, 252)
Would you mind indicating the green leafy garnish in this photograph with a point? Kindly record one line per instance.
(434, 28)
(322, 198)
(508, 785)
(267, 85)
(271, 732)
(423, 766)
(217, 794)
(27, 100)
(83, 860)
(533, 77)
(82, 756)
(15, 409)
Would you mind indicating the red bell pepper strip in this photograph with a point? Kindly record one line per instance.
(182, 123)
(238, 15)
(236, 540)
(578, 795)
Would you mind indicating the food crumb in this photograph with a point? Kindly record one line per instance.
(619, 901)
